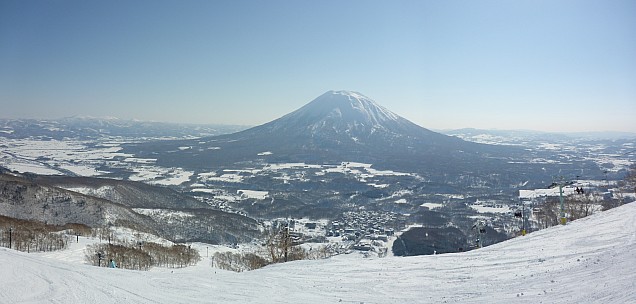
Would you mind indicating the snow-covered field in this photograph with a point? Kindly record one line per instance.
(592, 260)
(491, 208)
(432, 205)
(529, 194)
(46, 156)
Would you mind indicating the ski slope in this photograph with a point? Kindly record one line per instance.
(592, 260)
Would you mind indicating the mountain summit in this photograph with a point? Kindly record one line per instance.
(342, 111)
(342, 117)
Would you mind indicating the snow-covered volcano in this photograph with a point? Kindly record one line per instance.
(335, 127)
(344, 116)
(343, 125)
(341, 112)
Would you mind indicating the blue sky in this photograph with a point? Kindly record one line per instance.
(541, 65)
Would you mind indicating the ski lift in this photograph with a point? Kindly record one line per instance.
(100, 257)
(518, 213)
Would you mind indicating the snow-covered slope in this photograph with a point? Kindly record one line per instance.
(592, 260)
(344, 116)
(341, 111)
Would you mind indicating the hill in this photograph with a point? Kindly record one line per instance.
(587, 261)
(23, 198)
(97, 202)
(128, 193)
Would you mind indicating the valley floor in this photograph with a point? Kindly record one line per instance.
(592, 260)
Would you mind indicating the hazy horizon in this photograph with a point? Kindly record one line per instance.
(557, 66)
(251, 126)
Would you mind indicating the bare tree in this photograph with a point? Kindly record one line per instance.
(627, 185)
(130, 256)
(582, 205)
(278, 243)
(25, 235)
(548, 213)
(280, 246)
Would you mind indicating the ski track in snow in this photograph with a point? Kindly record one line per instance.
(592, 260)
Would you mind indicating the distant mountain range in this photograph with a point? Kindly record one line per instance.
(88, 128)
(521, 136)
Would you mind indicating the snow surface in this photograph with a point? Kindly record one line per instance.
(46, 156)
(176, 176)
(528, 194)
(490, 209)
(32, 167)
(228, 177)
(357, 110)
(368, 106)
(82, 170)
(160, 176)
(591, 260)
(432, 205)
(253, 194)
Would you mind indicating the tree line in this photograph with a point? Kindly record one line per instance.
(33, 236)
(279, 247)
(141, 255)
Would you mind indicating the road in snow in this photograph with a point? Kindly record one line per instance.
(592, 260)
